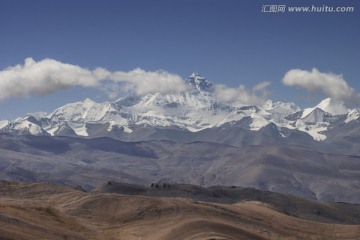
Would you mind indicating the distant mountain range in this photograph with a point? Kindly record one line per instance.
(192, 116)
(288, 169)
(190, 137)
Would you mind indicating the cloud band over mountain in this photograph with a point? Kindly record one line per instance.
(49, 75)
(329, 84)
(256, 96)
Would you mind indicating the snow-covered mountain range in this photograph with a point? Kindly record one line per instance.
(198, 139)
(193, 111)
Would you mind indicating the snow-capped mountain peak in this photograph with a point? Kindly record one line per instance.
(283, 109)
(200, 83)
(332, 106)
(328, 105)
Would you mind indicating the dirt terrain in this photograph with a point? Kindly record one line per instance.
(47, 211)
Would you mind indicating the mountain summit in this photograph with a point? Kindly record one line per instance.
(328, 105)
(200, 83)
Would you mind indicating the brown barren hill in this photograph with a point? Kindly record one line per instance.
(46, 211)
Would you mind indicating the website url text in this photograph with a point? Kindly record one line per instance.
(308, 9)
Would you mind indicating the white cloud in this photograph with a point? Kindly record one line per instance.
(42, 77)
(48, 75)
(149, 82)
(256, 96)
(261, 86)
(329, 84)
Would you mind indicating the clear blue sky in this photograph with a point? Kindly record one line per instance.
(228, 41)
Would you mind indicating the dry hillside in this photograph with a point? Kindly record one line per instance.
(46, 211)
